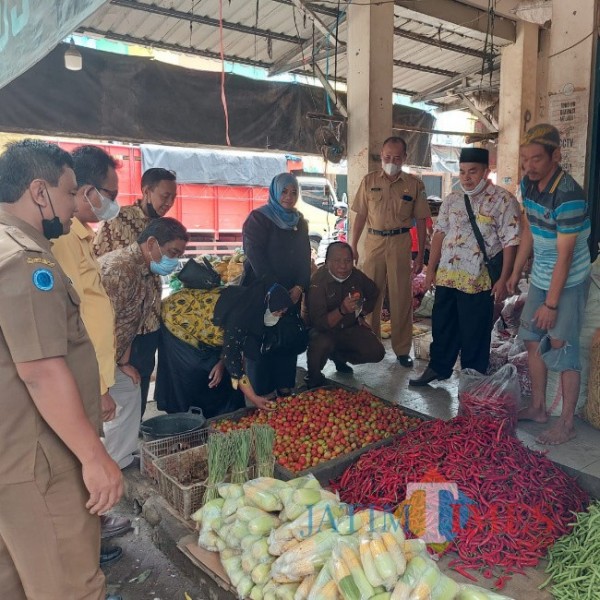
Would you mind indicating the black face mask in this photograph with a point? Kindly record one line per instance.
(152, 211)
(51, 228)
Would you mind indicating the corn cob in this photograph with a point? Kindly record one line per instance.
(395, 551)
(349, 556)
(304, 588)
(383, 561)
(344, 580)
(401, 591)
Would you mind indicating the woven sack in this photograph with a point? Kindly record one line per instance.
(591, 411)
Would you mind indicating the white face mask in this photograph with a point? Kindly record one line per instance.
(339, 279)
(478, 188)
(270, 319)
(108, 210)
(391, 169)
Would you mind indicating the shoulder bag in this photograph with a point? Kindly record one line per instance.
(494, 264)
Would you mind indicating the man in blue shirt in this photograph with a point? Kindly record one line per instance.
(556, 227)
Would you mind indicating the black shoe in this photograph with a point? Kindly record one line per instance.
(426, 377)
(113, 526)
(314, 383)
(405, 360)
(342, 366)
(110, 555)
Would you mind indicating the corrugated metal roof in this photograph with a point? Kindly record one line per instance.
(260, 32)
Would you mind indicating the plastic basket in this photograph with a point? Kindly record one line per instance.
(150, 451)
(182, 479)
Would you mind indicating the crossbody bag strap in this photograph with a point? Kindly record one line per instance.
(476, 229)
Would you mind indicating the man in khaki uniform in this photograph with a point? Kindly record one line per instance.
(55, 475)
(388, 202)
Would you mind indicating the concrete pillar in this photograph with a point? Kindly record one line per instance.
(518, 77)
(570, 75)
(370, 65)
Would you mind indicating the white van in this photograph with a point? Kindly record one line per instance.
(316, 201)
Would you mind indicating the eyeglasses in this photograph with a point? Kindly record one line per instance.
(112, 194)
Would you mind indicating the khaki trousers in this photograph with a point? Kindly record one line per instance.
(49, 543)
(388, 259)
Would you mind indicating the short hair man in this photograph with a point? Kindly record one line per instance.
(463, 309)
(128, 277)
(338, 300)
(556, 230)
(55, 475)
(96, 175)
(388, 202)
(159, 190)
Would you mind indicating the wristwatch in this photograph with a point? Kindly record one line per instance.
(549, 307)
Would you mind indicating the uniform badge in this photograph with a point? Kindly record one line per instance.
(43, 279)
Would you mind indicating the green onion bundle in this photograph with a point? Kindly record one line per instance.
(264, 438)
(241, 442)
(219, 460)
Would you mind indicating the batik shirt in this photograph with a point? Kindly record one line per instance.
(130, 287)
(462, 265)
(121, 232)
(560, 208)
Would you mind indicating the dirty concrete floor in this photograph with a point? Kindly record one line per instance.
(144, 572)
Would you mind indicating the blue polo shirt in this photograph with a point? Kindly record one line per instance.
(560, 208)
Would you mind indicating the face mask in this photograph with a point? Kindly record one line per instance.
(391, 169)
(108, 210)
(51, 228)
(339, 279)
(478, 188)
(166, 265)
(270, 319)
(152, 211)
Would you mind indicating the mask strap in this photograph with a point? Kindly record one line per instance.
(49, 200)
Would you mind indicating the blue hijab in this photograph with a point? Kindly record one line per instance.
(283, 218)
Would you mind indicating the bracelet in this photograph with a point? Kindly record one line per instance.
(551, 307)
(244, 380)
(123, 364)
(341, 313)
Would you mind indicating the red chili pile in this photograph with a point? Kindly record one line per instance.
(522, 502)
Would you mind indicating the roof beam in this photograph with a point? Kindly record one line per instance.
(319, 24)
(425, 68)
(430, 41)
(188, 16)
(317, 8)
(305, 53)
(338, 102)
(439, 89)
(129, 39)
(461, 14)
(479, 114)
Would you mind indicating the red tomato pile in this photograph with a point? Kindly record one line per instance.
(317, 426)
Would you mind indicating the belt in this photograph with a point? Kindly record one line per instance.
(388, 232)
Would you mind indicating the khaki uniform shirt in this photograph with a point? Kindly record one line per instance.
(130, 287)
(75, 255)
(121, 232)
(391, 204)
(39, 318)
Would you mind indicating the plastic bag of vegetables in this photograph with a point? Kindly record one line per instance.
(324, 587)
(263, 492)
(307, 557)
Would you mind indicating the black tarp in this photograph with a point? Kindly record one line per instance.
(140, 100)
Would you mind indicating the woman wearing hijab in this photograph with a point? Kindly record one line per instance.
(203, 336)
(277, 248)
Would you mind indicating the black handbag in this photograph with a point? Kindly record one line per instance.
(494, 264)
(288, 336)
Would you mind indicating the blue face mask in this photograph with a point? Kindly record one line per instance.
(166, 265)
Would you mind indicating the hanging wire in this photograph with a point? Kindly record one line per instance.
(223, 96)
(335, 60)
(191, 22)
(256, 27)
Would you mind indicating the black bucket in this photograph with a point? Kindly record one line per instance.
(165, 426)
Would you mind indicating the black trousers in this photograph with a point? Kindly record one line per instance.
(461, 323)
(143, 357)
(270, 373)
